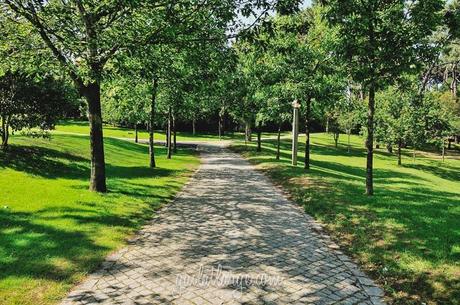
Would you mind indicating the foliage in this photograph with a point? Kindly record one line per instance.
(126, 101)
(26, 102)
(380, 41)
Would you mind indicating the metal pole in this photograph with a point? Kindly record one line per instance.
(295, 132)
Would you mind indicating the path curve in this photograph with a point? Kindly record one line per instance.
(230, 237)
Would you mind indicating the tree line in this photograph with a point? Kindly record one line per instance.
(386, 69)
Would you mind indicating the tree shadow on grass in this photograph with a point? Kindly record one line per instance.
(53, 164)
(445, 172)
(133, 172)
(31, 247)
(58, 243)
(404, 222)
(45, 162)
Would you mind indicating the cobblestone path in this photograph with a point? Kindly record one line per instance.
(230, 237)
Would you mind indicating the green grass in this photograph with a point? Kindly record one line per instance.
(53, 231)
(82, 127)
(407, 236)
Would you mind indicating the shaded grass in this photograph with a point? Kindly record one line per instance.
(81, 127)
(407, 236)
(53, 231)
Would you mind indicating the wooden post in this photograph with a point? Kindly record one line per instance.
(295, 132)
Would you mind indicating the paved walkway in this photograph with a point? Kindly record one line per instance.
(230, 237)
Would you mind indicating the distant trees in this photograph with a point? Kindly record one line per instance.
(288, 57)
(349, 112)
(125, 102)
(156, 64)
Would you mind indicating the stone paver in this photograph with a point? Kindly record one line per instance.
(230, 237)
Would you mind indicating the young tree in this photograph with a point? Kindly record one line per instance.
(394, 117)
(349, 114)
(380, 40)
(125, 102)
(244, 85)
(298, 49)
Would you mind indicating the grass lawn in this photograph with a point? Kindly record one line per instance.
(407, 236)
(82, 127)
(53, 231)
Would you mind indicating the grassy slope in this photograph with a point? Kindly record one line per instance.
(53, 230)
(81, 127)
(407, 235)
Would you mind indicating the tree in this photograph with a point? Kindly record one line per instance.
(395, 117)
(125, 102)
(349, 114)
(84, 35)
(244, 84)
(298, 50)
(27, 102)
(276, 109)
(378, 39)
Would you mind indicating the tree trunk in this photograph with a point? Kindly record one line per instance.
(278, 143)
(349, 135)
(336, 139)
(222, 122)
(259, 140)
(454, 82)
(248, 132)
(193, 126)
(327, 124)
(219, 128)
(174, 134)
(168, 139)
(136, 138)
(390, 148)
(399, 152)
(152, 162)
(370, 141)
(93, 97)
(307, 134)
(413, 154)
(443, 150)
(5, 132)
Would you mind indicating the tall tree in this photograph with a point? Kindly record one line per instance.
(84, 35)
(380, 40)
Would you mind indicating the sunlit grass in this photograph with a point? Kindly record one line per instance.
(407, 236)
(53, 231)
(82, 127)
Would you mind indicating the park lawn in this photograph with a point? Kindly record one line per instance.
(53, 231)
(82, 127)
(407, 236)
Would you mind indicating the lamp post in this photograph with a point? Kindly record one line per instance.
(295, 131)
